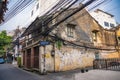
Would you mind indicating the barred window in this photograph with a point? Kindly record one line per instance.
(95, 33)
(70, 30)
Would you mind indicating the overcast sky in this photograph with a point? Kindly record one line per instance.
(23, 18)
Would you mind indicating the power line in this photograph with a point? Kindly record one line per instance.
(54, 26)
(87, 47)
(68, 41)
(49, 29)
(45, 16)
(17, 9)
(47, 21)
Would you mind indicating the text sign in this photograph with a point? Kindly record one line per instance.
(43, 43)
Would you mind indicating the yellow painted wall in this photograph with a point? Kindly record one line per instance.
(69, 58)
(118, 32)
(111, 55)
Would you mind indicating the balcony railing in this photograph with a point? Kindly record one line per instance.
(29, 42)
(36, 39)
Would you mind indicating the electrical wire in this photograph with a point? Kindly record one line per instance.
(72, 43)
(17, 9)
(85, 46)
(57, 7)
(54, 26)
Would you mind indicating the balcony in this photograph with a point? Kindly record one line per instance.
(29, 42)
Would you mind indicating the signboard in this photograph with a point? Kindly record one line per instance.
(43, 43)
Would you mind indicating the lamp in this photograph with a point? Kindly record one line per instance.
(53, 53)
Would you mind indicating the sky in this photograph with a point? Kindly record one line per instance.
(23, 18)
(112, 7)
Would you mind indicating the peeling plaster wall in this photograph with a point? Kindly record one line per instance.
(68, 58)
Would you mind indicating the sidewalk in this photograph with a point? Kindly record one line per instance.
(77, 75)
(90, 75)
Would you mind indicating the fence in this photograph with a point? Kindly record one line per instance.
(107, 64)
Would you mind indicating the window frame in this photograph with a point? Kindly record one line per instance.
(70, 30)
(112, 25)
(32, 13)
(118, 39)
(106, 24)
(37, 6)
(95, 35)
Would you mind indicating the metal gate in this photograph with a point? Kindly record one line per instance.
(28, 58)
(36, 57)
(107, 64)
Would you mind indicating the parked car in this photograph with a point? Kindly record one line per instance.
(2, 60)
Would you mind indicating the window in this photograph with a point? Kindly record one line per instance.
(119, 39)
(94, 33)
(96, 55)
(70, 30)
(37, 6)
(32, 13)
(111, 25)
(106, 24)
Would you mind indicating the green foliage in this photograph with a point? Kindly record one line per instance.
(2, 52)
(5, 42)
(59, 44)
(19, 61)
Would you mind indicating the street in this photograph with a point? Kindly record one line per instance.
(10, 72)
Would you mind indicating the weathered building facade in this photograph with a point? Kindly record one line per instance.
(117, 31)
(75, 43)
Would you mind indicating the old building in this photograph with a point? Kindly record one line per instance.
(17, 41)
(41, 7)
(75, 43)
(117, 30)
(106, 20)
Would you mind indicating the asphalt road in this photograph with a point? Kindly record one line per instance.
(10, 72)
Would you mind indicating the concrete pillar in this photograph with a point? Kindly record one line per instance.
(22, 55)
(41, 61)
(32, 57)
(25, 59)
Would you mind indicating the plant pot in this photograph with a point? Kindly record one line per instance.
(82, 70)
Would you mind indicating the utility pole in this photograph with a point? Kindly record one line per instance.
(18, 41)
(17, 32)
(44, 46)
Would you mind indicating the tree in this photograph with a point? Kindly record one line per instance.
(3, 8)
(5, 42)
